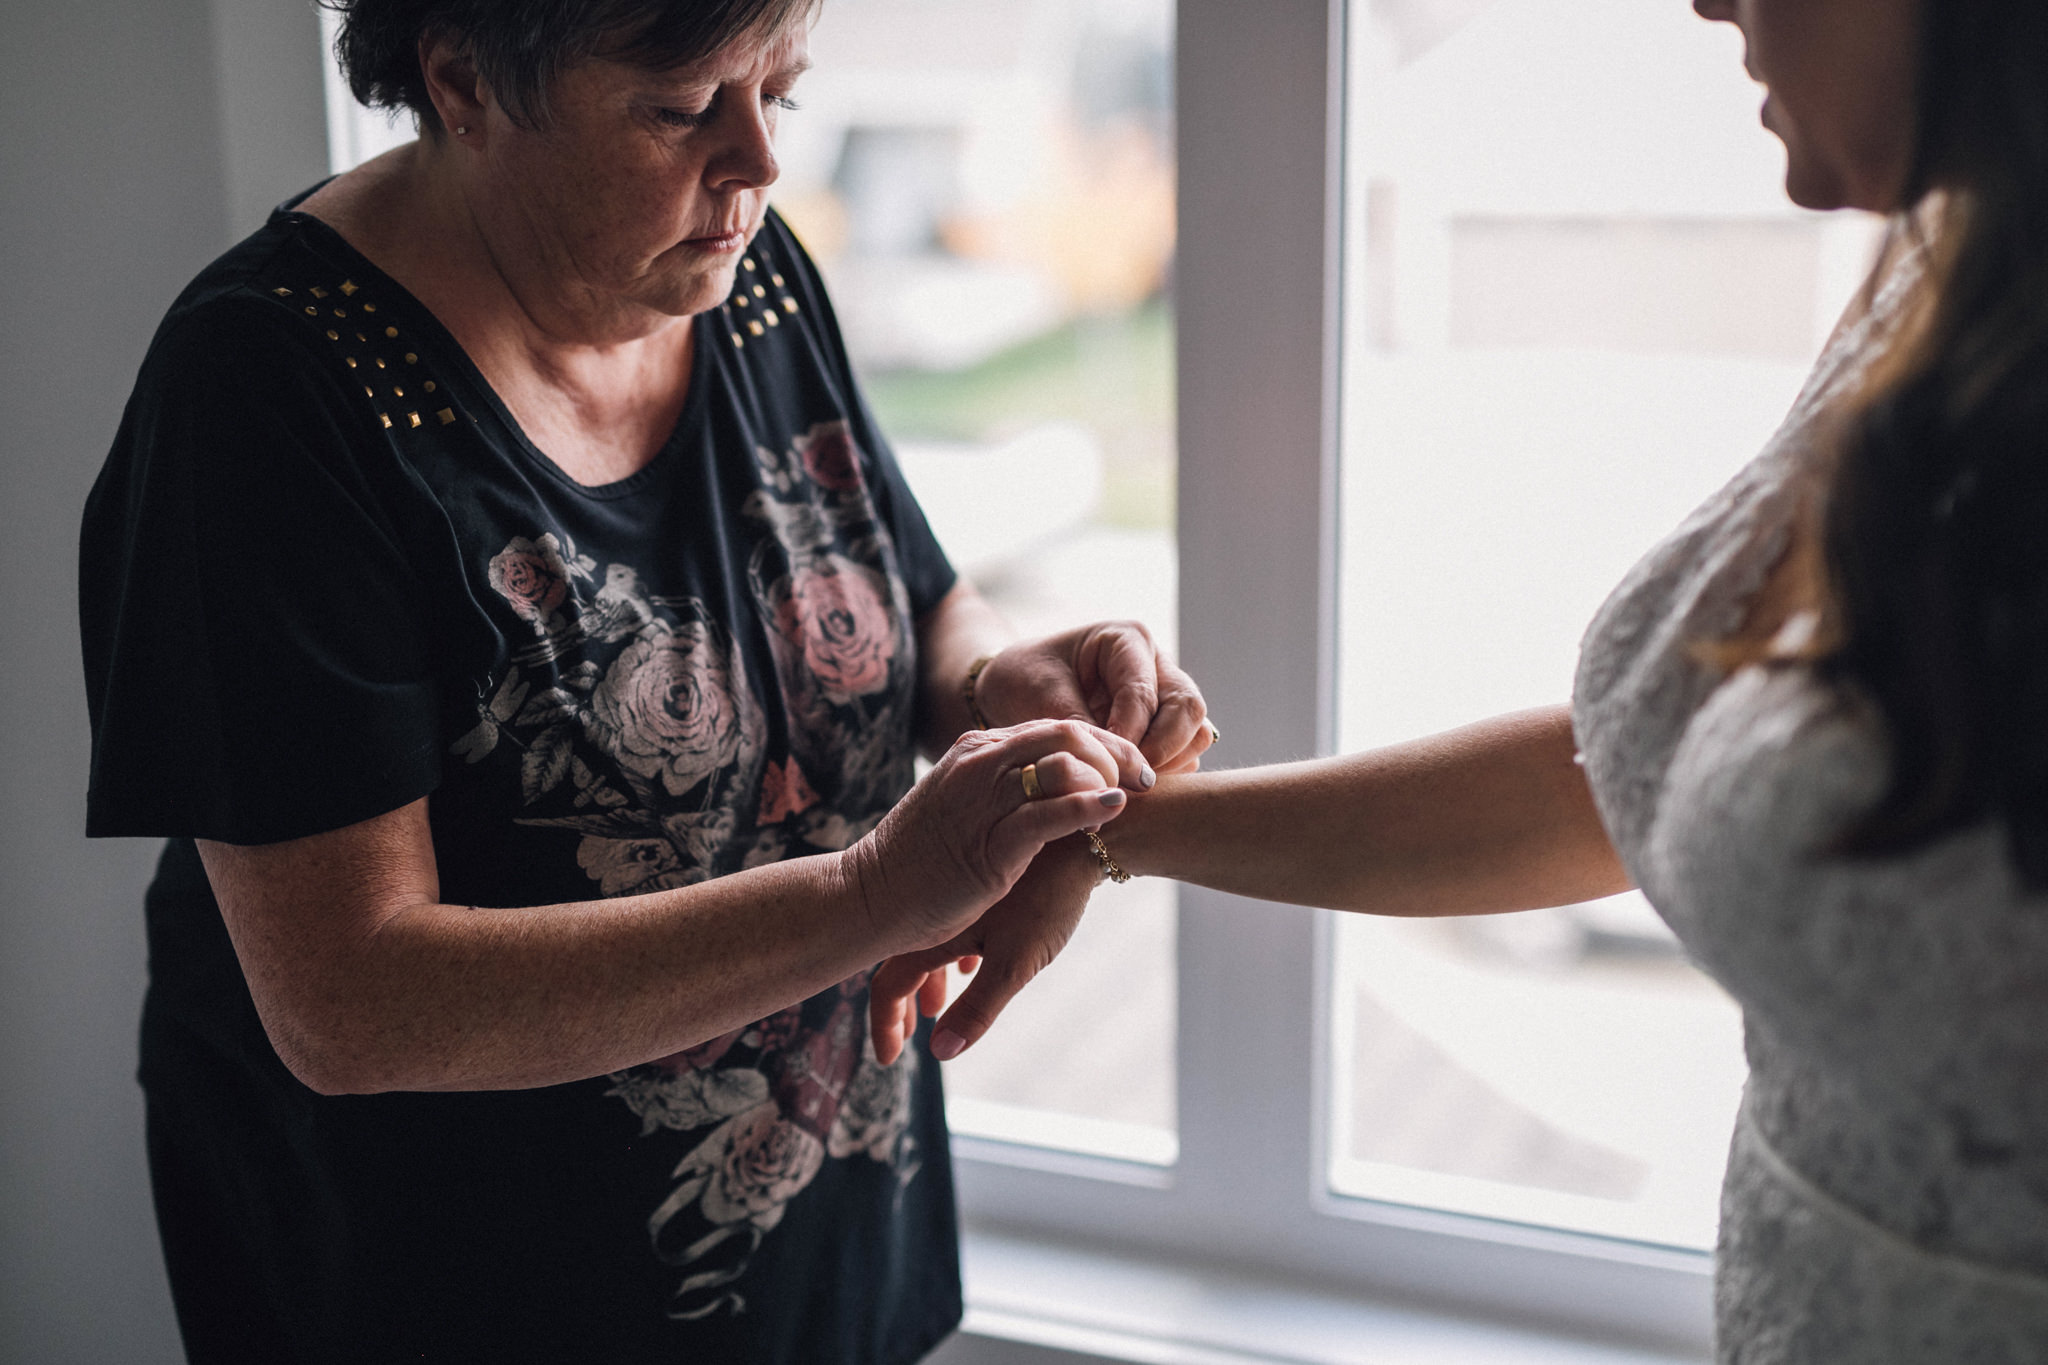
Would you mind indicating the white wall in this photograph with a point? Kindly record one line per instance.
(126, 163)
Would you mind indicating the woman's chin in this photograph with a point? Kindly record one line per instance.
(1813, 187)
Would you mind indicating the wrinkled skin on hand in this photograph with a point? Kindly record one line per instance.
(1110, 674)
(965, 835)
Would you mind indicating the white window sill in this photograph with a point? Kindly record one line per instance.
(1032, 1301)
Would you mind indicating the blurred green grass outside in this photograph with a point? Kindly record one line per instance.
(1114, 375)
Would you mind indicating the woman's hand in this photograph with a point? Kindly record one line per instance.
(964, 835)
(1110, 674)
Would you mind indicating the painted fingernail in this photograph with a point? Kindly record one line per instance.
(946, 1045)
(1111, 798)
(1147, 777)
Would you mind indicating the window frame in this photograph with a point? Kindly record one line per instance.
(1260, 323)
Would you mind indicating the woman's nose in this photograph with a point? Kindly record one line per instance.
(747, 161)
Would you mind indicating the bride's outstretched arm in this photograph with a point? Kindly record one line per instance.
(1494, 816)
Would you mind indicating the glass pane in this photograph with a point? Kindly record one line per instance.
(1578, 302)
(988, 187)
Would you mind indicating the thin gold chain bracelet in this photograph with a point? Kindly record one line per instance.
(974, 712)
(1102, 855)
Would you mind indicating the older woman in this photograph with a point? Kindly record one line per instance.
(500, 595)
(1812, 725)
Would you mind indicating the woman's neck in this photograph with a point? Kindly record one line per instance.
(600, 398)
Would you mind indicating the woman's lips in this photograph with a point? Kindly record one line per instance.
(718, 242)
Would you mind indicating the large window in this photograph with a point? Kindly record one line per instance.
(1476, 300)
(1576, 302)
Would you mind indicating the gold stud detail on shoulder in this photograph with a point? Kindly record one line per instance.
(349, 287)
(777, 281)
(770, 318)
(447, 416)
(333, 335)
(282, 292)
(317, 292)
(740, 300)
(369, 308)
(351, 362)
(398, 393)
(385, 418)
(749, 263)
(369, 392)
(413, 418)
(760, 291)
(739, 343)
(789, 305)
(431, 386)
(311, 311)
(411, 358)
(390, 331)
(755, 327)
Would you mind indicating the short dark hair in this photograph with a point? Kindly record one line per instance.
(521, 46)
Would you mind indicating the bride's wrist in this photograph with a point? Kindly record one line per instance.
(1136, 842)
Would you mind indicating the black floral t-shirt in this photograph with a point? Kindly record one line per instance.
(324, 574)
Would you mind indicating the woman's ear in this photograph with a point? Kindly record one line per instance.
(452, 83)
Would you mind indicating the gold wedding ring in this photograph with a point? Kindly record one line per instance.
(1032, 791)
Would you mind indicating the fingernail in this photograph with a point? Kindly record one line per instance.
(1147, 777)
(1111, 798)
(946, 1045)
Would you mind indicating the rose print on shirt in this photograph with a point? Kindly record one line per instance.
(784, 1095)
(646, 746)
(838, 624)
(666, 708)
(829, 457)
(755, 1166)
(636, 726)
(532, 576)
(835, 614)
(784, 793)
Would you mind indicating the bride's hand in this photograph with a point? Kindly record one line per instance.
(1012, 943)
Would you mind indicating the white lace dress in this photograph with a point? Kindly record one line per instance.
(1887, 1189)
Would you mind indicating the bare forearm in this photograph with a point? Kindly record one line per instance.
(509, 998)
(1492, 817)
(447, 997)
(366, 979)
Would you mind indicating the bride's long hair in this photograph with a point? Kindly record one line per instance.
(1935, 532)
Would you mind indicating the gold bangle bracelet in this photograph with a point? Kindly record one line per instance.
(1102, 855)
(967, 691)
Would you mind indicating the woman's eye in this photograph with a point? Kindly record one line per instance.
(697, 118)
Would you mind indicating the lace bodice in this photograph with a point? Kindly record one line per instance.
(1887, 1195)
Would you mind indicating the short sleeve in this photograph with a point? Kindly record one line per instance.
(928, 575)
(256, 657)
